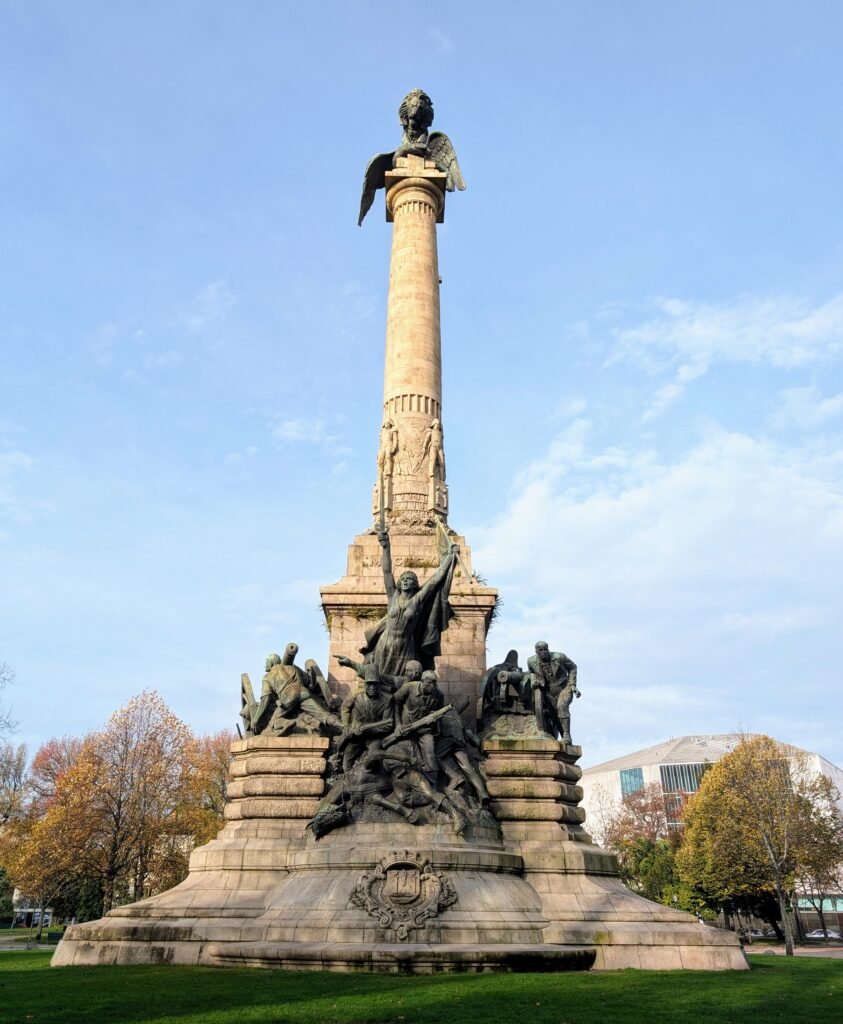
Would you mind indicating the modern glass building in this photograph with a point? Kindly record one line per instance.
(677, 765)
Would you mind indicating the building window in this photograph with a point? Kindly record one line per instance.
(682, 778)
(632, 779)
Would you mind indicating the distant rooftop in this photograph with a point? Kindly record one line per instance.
(679, 750)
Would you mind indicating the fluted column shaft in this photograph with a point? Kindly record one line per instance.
(411, 456)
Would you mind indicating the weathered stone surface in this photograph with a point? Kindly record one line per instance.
(276, 785)
(536, 788)
(270, 807)
(529, 767)
(538, 897)
(357, 601)
(527, 810)
(270, 764)
(287, 746)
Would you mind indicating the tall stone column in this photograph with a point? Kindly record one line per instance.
(411, 456)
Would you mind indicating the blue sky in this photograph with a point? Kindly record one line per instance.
(642, 337)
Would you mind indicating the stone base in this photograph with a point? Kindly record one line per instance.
(403, 958)
(358, 601)
(534, 895)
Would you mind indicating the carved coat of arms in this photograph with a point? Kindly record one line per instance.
(403, 892)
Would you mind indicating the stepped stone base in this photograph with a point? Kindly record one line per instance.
(537, 895)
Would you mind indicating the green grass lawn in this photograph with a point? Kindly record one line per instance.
(776, 989)
(23, 935)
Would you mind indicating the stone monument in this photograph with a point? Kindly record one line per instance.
(410, 810)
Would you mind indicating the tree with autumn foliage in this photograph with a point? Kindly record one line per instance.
(639, 834)
(751, 827)
(119, 810)
(822, 865)
(14, 782)
(8, 722)
(51, 762)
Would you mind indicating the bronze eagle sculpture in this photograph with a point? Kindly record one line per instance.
(416, 117)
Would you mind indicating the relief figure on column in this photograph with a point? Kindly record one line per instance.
(416, 616)
(386, 464)
(435, 454)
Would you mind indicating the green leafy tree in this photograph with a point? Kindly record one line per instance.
(822, 864)
(639, 834)
(750, 827)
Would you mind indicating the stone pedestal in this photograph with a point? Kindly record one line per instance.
(534, 779)
(276, 779)
(358, 601)
(533, 782)
(534, 895)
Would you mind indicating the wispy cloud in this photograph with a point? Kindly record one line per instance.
(443, 44)
(569, 408)
(685, 573)
(311, 432)
(102, 343)
(239, 458)
(806, 408)
(266, 612)
(210, 305)
(301, 430)
(163, 360)
(686, 338)
(781, 330)
(14, 464)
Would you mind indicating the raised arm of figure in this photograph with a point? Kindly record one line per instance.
(444, 568)
(386, 564)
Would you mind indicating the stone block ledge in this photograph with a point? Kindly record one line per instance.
(401, 958)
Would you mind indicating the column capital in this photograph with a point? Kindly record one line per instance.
(415, 173)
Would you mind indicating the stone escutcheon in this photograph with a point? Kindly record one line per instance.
(403, 893)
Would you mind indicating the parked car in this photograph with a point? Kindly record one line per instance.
(818, 933)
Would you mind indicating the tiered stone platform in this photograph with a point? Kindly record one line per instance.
(538, 895)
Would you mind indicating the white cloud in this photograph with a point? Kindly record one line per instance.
(274, 611)
(13, 464)
(662, 399)
(569, 408)
(312, 432)
(241, 457)
(210, 305)
(729, 488)
(163, 360)
(443, 44)
(686, 575)
(102, 343)
(782, 330)
(774, 623)
(300, 430)
(806, 408)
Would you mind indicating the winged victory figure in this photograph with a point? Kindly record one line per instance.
(416, 117)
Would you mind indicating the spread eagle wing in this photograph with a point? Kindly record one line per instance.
(373, 180)
(441, 151)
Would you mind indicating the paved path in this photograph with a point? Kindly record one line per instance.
(11, 947)
(835, 952)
